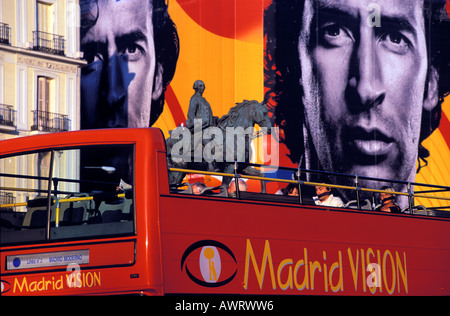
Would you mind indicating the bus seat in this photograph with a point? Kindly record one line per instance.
(210, 191)
(364, 205)
(127, 209)
(73, 213)
(419, 210)
(36, 216)
(111, 212)
(188, 190)
(10, 220)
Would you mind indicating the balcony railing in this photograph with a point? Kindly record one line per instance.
(7, 117)
(5, 33)
(49, 43)
(7, 198)
(50, 122)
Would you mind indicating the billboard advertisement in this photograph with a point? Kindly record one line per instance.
(353, 87)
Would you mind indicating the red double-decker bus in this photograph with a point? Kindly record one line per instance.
(92, 212)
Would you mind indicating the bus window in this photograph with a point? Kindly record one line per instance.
(65, 194)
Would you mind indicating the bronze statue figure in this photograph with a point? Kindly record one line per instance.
(204, 144)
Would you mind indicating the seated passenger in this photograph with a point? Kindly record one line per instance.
(232, 186)
(198, 187)
(325, 198)
(388, 201)
(291, 189)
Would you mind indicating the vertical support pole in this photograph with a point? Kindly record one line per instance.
(410, 199)
(55, 188)
(300, 197)
(357, 193)
(49, 197)
(236, 179)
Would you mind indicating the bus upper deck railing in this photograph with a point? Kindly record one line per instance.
(410, 194)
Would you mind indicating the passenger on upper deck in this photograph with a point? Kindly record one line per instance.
(325, 198)
(232, 186)
(388, 201)
(198, 187)
(291, 189)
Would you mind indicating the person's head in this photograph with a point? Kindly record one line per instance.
(359, 99)
(232, 186)
(198, 187)
(387, 197)
(323, 192)
(291, 189)
(132, 48)
(199, 86)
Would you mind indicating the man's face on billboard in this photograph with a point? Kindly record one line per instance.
(364, 86)
(117, 84)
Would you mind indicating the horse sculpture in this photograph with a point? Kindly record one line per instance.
(218, 146)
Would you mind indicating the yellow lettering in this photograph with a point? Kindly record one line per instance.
(325, 272)
(19, 286)
(89, 280)
(78, 282)
(300, 263)
(267, 257)
(41, 285)
(386, 253)
(354, 267)
(340, 285)
(373, 275)
(33, 286)
(379, 272)
(312, 270)
(402, 272)
(60, 285)
(363, 265)
(288, 283)
(97, 279)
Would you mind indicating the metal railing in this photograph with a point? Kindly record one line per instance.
(7, 116)
(49, 43)
(50, 122)
(5, 33)
(410, 194)
(7, 200)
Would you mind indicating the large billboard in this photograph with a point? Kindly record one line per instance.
(354, 87)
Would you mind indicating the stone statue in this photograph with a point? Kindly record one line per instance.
(212, 144)
(199, 108)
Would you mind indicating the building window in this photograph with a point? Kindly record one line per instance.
(7, 118)
(44, 94)
(45, 17)
(44, 38)
(5, 34)
(43, 119)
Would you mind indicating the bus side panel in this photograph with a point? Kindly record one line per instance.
(151, 176)
(116, 264)
(227, 246)
(80, 268)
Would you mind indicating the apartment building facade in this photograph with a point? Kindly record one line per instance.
(40, 69)
(39, 66)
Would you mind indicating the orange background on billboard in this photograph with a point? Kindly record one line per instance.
(222, 43)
